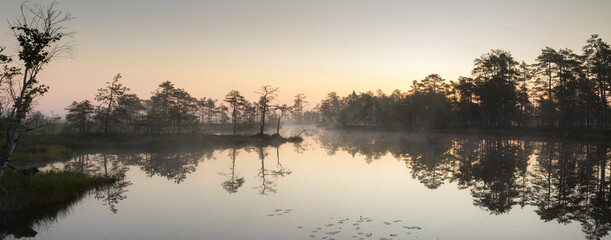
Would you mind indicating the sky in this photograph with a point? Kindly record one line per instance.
(312, 47)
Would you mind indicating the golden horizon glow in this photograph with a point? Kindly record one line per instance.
(313, 47)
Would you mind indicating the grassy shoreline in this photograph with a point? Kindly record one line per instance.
(48, 187)
(38, 150)
(572, 135)
(100, 141)
(52, 187)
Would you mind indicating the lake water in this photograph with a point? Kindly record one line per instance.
(343, 186)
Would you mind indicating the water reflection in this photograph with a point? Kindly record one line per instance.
(562, 182)
(565, 181)
(267, 184)
(172, 165)
(112, 194)
(233, 182)
(106, 164)
(280, 170)
(22, 223)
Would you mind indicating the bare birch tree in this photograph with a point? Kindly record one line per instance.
(41, 35)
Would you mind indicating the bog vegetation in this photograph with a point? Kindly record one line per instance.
(561, 89)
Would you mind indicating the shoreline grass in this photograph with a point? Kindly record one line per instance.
(56, 186)
(47, 187)
(28, 155)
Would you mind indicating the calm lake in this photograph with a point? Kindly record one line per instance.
(338, 185)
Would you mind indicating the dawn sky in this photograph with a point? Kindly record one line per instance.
(311, 47)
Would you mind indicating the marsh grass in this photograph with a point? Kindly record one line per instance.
(21, 223)
(48, 187)
(40, 154)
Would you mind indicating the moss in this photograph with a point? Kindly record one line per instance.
(48, 187)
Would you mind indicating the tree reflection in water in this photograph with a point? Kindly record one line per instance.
(22, 223)
(233, 183)
(565, 181)
(105, 164)
(267, 185)
(269, 176)
(174, 165)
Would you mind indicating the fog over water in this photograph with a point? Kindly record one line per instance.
(342, 185)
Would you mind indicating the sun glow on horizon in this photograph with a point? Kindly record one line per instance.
(209, 48)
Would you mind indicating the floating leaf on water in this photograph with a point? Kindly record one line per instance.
(393, 235)
(387, 223)
(299, 227)
(357, 228)
(412, 227)
(356, 224)
(270, 215)
(397, 221)
(329, 225)
(278, 210)
(312, 235)
(333, 233)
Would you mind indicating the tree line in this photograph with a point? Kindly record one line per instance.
(561, 90)
(175, 110)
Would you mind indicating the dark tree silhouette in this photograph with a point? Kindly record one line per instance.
(237, 102)
(268, 94)
(79, 115)
(39, 31)
(109, 96)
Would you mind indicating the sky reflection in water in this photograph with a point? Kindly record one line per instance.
(345, 186)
